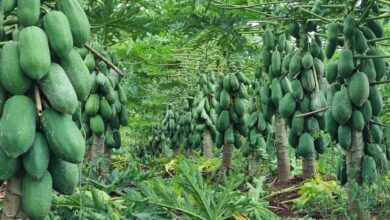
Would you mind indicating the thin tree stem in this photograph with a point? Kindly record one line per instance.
(371, 57)
(316, 15)
(378, 39)
(313, 112)
(96, 53)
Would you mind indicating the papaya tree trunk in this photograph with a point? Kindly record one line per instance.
(309, 166)
(176, 151)
(207, 144)
(190, 151)
(107, 151)
(254, 164)
(227, 153)
(354, 159)
(281, 146)
(13, 199)
(97, 148)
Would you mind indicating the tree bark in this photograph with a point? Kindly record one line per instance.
(281, 146)
(13, 199)
(107, 151)
(354, 159)
(309, 166)
(227, 153)
(254, 164)
(207, 145)
(97, 148)
(190, 151)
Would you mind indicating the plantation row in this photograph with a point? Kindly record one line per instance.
(310, 85)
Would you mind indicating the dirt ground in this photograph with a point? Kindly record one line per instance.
(280, 201)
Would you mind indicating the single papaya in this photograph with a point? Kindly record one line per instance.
(34, 52)
(345, 64)
(17, 125)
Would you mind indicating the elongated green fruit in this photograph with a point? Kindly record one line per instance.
(78, 21)
(276, 62)
(97, 125)
(59, 90)
(28, 12)
(345, 64)
(306, 145)
(65, 175)
(37, 195)
(17, 126)
(359, 88)
(8, 6)
(58, 32)
(89, 61)
(64, 137)
(341, 107)
(92, 104)
(361, 45)
(122, 95)
(349, 27)
(78, 74)
(36, 160)
(376, 27)
(34, 52)
(12, 76)
(8, 166)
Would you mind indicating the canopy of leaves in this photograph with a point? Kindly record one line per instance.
(165, 44)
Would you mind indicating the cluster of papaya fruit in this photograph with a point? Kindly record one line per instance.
(204, 118)
(260, 131)
(166, 133)
(231, 109)
(40, 54)
(48, 149)
(171, 127)
(356, 99)
(105, 108)
(157, 140)
(278, 85)
(306, 71)
(185, 123)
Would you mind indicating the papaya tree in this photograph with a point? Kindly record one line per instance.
(357, 102)
(43, 79)
(271, 94)
(231, 110)
(170, 127)
(173, 130)
(304, 106)
(105, 110)
(186, 128)
(203, 114)
(157, 141)
(259, 129)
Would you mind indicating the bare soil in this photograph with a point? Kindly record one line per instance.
(281, 201)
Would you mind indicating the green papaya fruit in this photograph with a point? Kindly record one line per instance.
(12, 76)
(34, 52)
(36, 160)
(57, 28)
(59, 90)
(37, 196)
(64, 137)
(359, 89)
(17, 125)
(341, 107)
